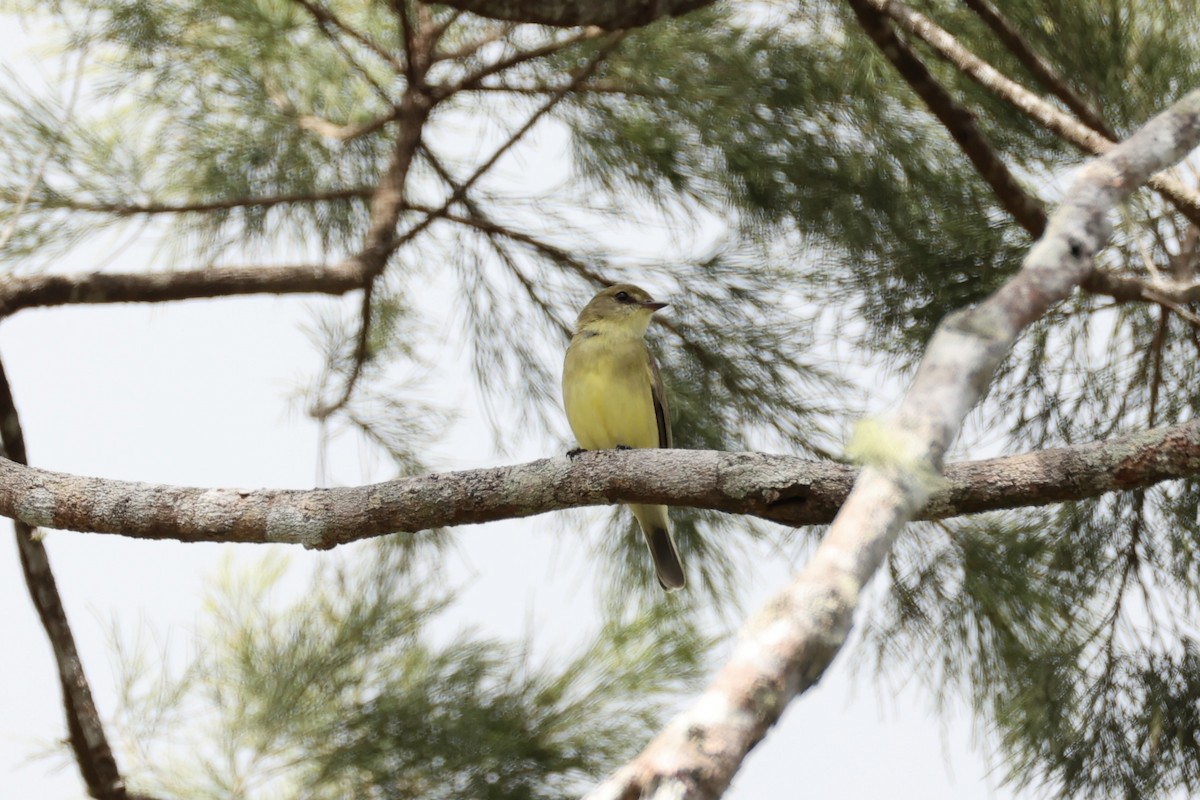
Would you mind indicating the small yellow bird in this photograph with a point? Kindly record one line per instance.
(614, 397)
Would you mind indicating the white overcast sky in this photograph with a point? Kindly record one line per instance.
(198, 393)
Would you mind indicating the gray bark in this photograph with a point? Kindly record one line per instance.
(784, 489)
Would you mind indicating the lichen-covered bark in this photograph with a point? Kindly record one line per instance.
(783, 489)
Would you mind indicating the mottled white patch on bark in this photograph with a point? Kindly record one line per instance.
(216, 509)
(711, 707)
(36, 508)
(290, 525)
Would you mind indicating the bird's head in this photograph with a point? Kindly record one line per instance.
(621, 308)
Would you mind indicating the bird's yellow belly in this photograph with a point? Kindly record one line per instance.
(608, 401)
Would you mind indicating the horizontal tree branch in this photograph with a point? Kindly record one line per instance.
(607, 14)
(785, 489)
(32, 291)
(119, 209)
(1129, 289)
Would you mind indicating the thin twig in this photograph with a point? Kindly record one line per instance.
(557, 254)
(497, 33)
(329, 25)
(493, 233)
(959, 122)
(1040, 68)
(387, 204)
(325, 17)
(1156, 360)
(228, 204)
(1185, 199)
(1150, 294)
(459, 193)
(478, 219)
(39, 172)
(1143, 251)
(439, 29)
(548, 49)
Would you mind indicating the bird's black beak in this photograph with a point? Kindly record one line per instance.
(653, 306)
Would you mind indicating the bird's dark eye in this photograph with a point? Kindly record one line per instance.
(623, 297)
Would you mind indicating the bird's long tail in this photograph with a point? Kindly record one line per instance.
(657, 529)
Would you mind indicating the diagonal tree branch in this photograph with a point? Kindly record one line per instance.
(784, 489)
(470, 47)
(1185, 199)
(607, 14)
(438, 29)
(496, 235)
(40, 291)
(785, 648)
(328, 22)
(1026, 209)
(85, 731)
(524, 56)
(1040, 68)
(461, 190)
(959, 122)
